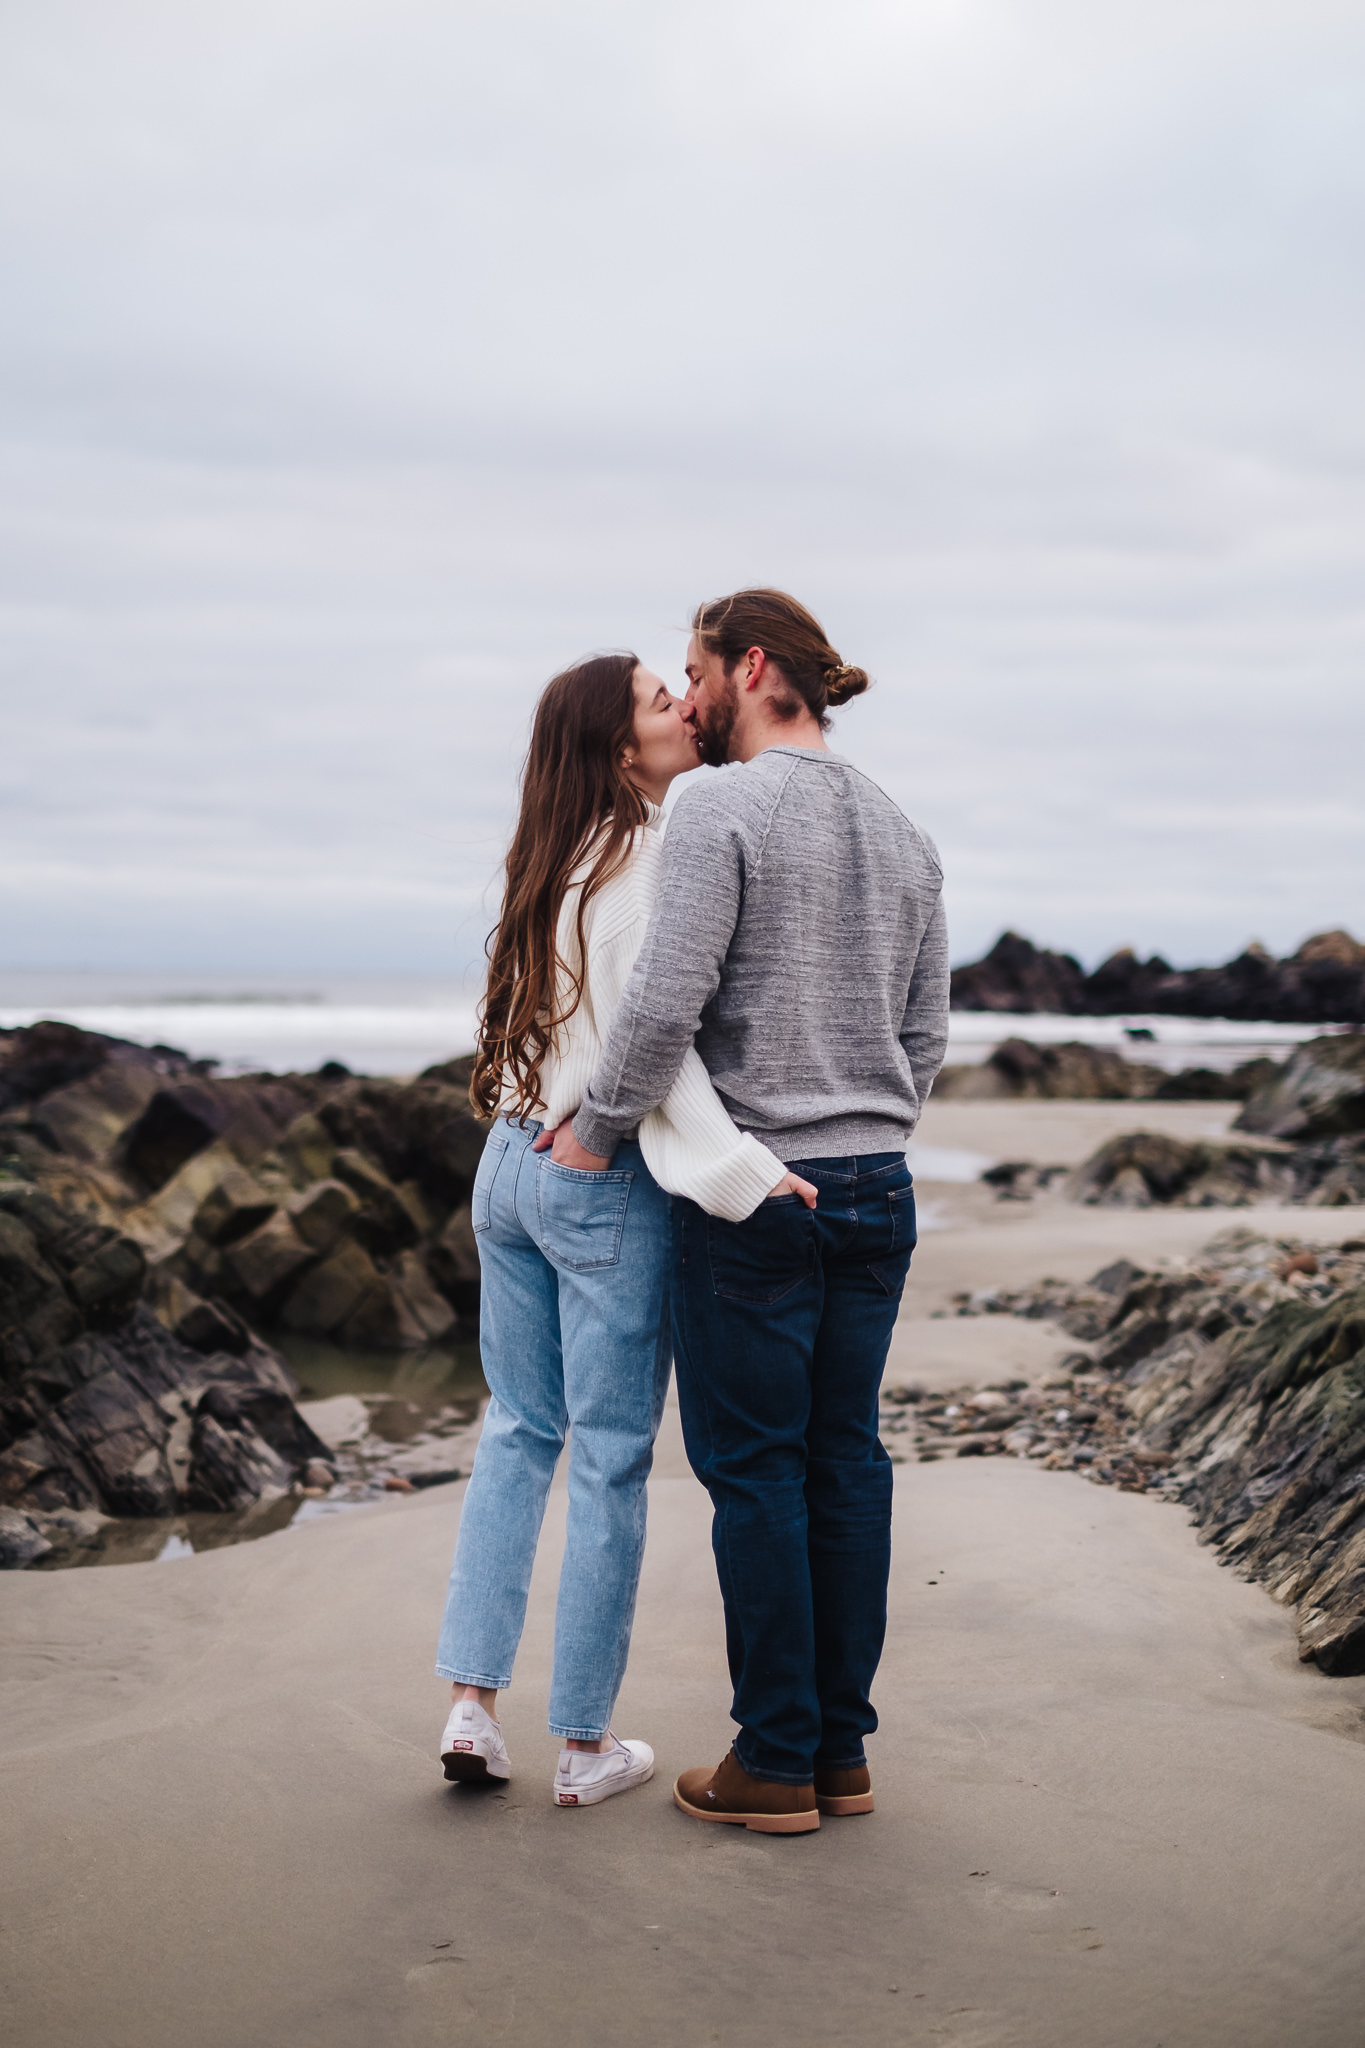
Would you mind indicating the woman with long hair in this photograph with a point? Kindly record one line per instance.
(574, 1321)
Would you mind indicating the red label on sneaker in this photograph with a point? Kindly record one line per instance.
(462, 1745)
(568, 1799)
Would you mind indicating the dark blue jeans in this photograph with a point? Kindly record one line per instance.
(781, 1326)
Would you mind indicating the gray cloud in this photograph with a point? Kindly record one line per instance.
(362, 365)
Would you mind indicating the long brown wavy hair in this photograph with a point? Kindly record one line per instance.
(576, 802)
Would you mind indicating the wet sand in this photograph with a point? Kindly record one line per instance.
(1113, 1810)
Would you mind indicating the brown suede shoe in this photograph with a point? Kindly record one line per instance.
(844, 1791)
(729, 1793)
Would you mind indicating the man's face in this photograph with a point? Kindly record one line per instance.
(712, 704)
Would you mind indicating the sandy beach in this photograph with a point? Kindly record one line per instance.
(1113, 1809)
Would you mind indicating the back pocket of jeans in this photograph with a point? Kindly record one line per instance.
(483, 1180)
(582, 1215)
(765, 1256)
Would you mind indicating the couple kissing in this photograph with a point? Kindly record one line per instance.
(705, 1050)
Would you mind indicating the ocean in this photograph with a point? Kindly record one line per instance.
(395, 1025)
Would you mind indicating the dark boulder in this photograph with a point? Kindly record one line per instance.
(237, 1205)
(324, 1213)
(384, 1320)
(209, 1325)
(420, 1131)
(1322, 983)
(46, 1056)
(58, 1275)
(383, 1223)
(1208, 1084)
(1145, 1167)
(423, 1299)
(1070, 1072)
(87, 1119)
(331, 1291)
(100, 1401)
(1018, 976)
(1318, 1093)
(136, 1423)
(177, 1123)
(36, 1314)
(184, 1117)
(265, 1263)
(246, 1443)
(107, 1284)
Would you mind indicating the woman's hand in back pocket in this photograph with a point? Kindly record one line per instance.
(565, 1149)
(792, 1184)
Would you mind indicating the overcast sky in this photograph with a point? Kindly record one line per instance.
(362, 364)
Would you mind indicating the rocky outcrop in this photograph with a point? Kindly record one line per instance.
(184, 1117)
(1234, 1385)
(353, 1225)
(103, 1410)
(1017, 976)
(1019, 1069)
(39, 1061)
(158, 1225)
(1074, 1072)
(321, 1204)
(1143, 1169)
(1318, 1093)
(1316, 1099)
(1323, 983)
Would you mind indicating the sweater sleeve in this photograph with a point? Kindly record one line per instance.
(692, 1148)
(690, 1145)
(676, 973)
(924, 1028)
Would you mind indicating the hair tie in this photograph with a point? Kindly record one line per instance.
(837, 674)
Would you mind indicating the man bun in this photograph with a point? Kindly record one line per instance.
(844, 682)
(808, 670)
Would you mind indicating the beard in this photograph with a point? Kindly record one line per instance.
(714, 732)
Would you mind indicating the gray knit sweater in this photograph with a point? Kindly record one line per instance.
(799, 937)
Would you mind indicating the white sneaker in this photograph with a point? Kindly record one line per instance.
(472, 1748)
(585, 1776)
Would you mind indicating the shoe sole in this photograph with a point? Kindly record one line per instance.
(463, 1769)
(596, 1794)
(760, 1823)
(851, 1802)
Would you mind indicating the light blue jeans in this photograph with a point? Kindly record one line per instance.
(574, 1330)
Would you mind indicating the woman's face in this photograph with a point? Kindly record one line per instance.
(663, 746)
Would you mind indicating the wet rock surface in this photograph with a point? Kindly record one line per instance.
(1318, 1094)
(1234, 1385)
(1316, 1099)
(1018, 1070)
(106, 1412)
(1304, 1121)
(159, 1227)
(1322, 983)
(323, 1204)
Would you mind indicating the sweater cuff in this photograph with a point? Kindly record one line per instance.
(595, 1134)
(734, 1186)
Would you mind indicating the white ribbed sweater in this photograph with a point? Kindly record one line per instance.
(690, 1145)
